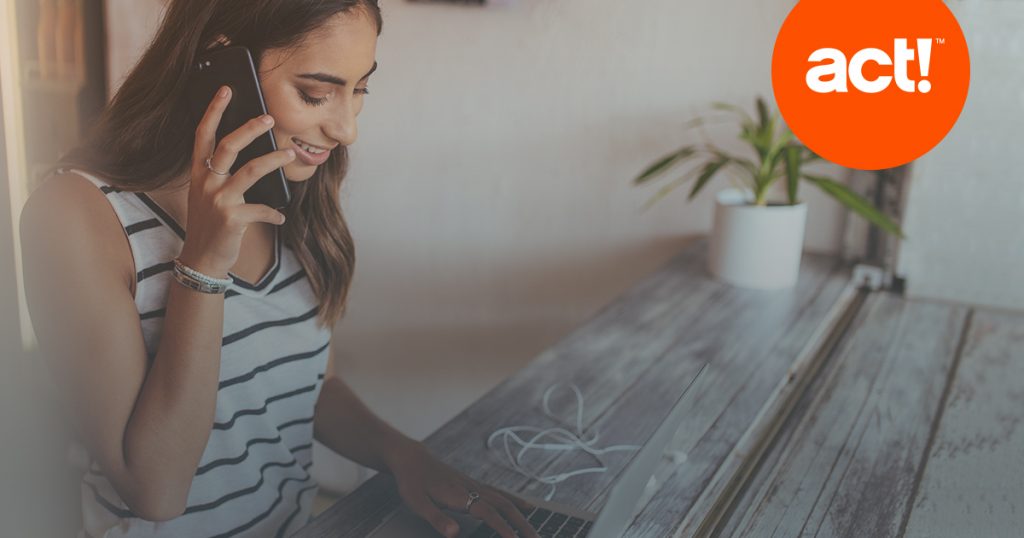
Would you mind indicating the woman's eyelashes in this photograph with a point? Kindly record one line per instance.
(310, 100)
(318, 101)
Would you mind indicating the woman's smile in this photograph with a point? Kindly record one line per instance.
(310, 154)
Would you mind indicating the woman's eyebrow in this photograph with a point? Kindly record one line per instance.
(324, 77)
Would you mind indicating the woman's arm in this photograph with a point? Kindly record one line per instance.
(146, 424)
(343, 423)
(146, 428)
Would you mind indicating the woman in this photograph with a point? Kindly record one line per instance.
(196, 408)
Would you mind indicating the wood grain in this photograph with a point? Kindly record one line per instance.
(849, 466)
(973, 483)
(630, 361)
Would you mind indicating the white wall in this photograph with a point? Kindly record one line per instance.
(490, 194)
(130, 25)
(965, 213)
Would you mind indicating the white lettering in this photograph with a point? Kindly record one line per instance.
(838, 72)
(857, 70)
(904, 56)
(837, 69)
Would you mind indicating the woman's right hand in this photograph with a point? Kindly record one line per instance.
(217, 213)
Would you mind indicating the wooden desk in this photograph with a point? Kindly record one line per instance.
(910, 429)
(629, 360)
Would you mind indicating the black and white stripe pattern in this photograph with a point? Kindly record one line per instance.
(254, 477)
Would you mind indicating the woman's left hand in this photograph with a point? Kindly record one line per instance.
(427, 485)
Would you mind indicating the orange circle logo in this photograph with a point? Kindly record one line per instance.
(870, 84)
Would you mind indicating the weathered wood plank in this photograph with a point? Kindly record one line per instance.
(973, 482)
(848, 467)
(764, 349)
(718, 496)
(629, 360)
(728, 394)
(741, 503)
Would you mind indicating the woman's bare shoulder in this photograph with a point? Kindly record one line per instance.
(66, 212)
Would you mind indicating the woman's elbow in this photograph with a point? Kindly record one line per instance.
(156, 508)
(157, 503)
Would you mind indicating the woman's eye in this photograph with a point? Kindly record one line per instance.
(364, 91)
(309, 99)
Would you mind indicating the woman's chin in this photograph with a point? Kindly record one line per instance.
(299, 173)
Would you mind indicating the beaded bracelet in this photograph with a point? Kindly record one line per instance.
(192, 279)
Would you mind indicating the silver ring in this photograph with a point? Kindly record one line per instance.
(209, 166)
(473, 497)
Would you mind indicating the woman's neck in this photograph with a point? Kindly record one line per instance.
(173, 198)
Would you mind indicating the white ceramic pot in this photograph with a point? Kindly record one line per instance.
(756, 247)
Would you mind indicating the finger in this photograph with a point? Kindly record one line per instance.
(422, 506)
(248, 213)
(206, 131)
(255, 169)
(229, 147)
(512, 515)
(485, 512)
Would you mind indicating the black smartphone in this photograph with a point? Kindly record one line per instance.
(233, 66)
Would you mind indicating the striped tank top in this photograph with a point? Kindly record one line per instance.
(253, 479)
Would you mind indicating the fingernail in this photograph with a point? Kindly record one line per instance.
(224, 91)
(290, 152)
(267, 119)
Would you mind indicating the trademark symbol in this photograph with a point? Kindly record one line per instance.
(940, 41)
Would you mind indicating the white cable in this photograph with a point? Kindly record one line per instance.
(569, 441)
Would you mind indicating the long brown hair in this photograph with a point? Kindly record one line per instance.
(144, 138)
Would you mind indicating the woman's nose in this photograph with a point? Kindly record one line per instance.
(342, 126)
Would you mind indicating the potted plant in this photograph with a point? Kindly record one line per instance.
(757, 242)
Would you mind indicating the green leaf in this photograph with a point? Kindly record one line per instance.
(710, 169)
(762, 138)
(856, 203)
(774, 166)
(792, 156)
(733, 108)
(664, 164)
(762, 113)
(811, 155)
(742, 162)
(695, 122)
(756, 139)
(746, 164)
(769, 130)
(664, 190)
(785, 138)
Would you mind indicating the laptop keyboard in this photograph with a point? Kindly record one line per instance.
(548, 524)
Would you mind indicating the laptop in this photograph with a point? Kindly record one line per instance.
(553, 520)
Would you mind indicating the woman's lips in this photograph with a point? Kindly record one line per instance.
(308, 158)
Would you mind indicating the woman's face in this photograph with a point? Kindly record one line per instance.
(316, 91)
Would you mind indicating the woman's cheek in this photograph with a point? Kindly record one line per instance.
(285, 127)
(278, 105)
(282, 139)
